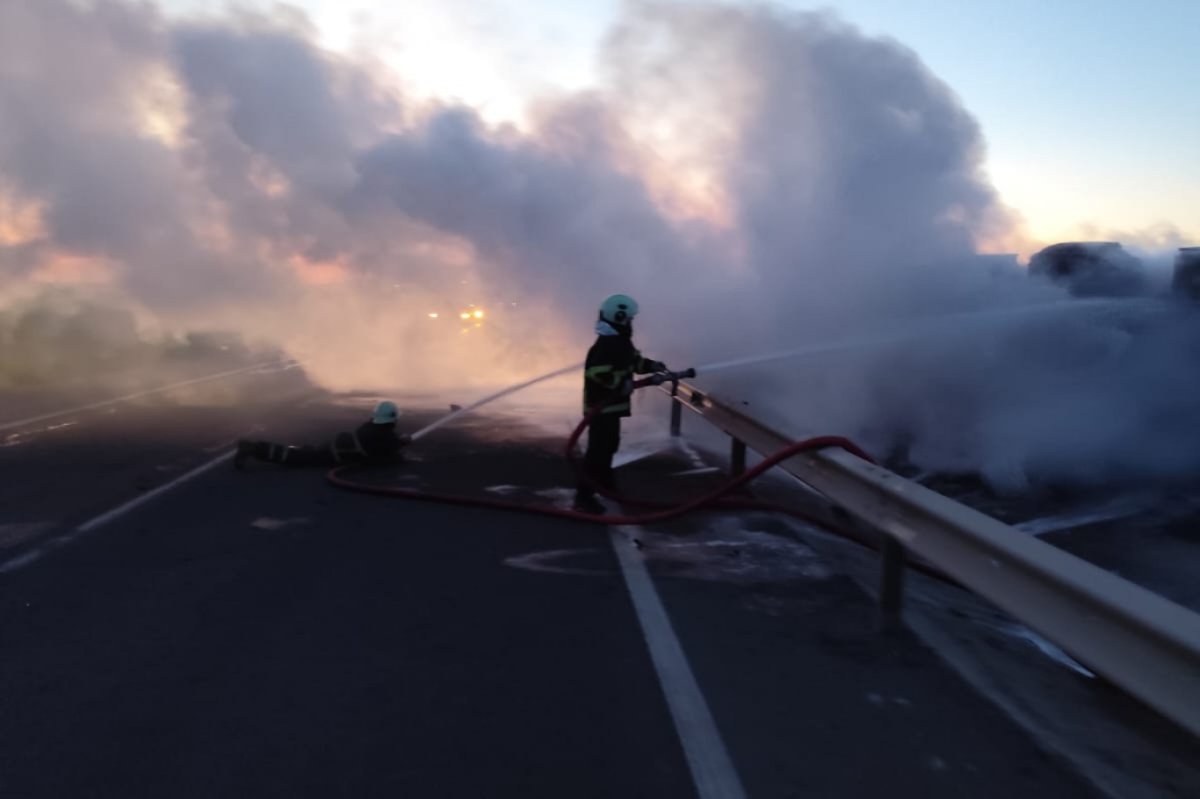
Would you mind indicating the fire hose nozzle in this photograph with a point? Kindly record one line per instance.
(658, 378)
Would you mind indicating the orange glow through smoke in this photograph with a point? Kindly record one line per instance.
(319, 273)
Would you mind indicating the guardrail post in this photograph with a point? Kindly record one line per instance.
(891, 579)
(676, 409)
(737, 457)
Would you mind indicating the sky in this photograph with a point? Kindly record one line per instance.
(1089, 108)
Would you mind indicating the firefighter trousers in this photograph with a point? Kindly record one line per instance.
(604, 439)
(293, 455)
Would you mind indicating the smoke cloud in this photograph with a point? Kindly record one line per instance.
(759, 178)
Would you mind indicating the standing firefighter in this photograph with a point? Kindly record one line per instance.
(607, 387)
(374, 441)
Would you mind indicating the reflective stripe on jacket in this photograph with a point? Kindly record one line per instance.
(608, 372)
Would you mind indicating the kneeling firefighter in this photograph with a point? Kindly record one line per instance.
(374, 441)
(607, 388)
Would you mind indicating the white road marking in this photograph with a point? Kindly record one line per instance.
(15, 533)
(137, 502)
(138, 395)
(712, 769)
(23, 560)
(108, 516)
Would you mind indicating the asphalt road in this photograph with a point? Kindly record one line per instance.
(264, 634)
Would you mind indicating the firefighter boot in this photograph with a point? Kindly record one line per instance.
(586, 502)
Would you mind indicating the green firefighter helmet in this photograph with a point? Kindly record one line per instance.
(386, 412)
(619, 309)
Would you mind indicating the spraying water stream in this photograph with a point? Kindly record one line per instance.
(912, 330)
(450, 417)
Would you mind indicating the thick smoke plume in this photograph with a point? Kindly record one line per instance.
(759, 179)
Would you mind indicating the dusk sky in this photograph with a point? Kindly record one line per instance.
(1090, 108)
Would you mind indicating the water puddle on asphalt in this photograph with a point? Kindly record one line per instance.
(562, 561)
(23, 437)
(1120, 508)
(726, 550)
(1048, 649)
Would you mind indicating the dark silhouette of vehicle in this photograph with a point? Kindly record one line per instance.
(1186, 280)
(1091, 268)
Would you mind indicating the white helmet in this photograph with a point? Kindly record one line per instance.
(386, 412)
(619, 309)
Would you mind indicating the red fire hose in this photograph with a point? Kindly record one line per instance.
(717, 500)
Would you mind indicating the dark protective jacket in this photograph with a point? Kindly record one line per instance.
(608, 372)
(370, 443)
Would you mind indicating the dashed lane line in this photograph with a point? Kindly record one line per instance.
(138, 395)
(97, 522)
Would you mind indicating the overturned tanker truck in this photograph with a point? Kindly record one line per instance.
(1106, 269)
(1091, 269)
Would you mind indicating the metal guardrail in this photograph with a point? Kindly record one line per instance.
(1146, 645)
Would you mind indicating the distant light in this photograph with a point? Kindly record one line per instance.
(478, 314)
(464, 315)
(433, 315)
